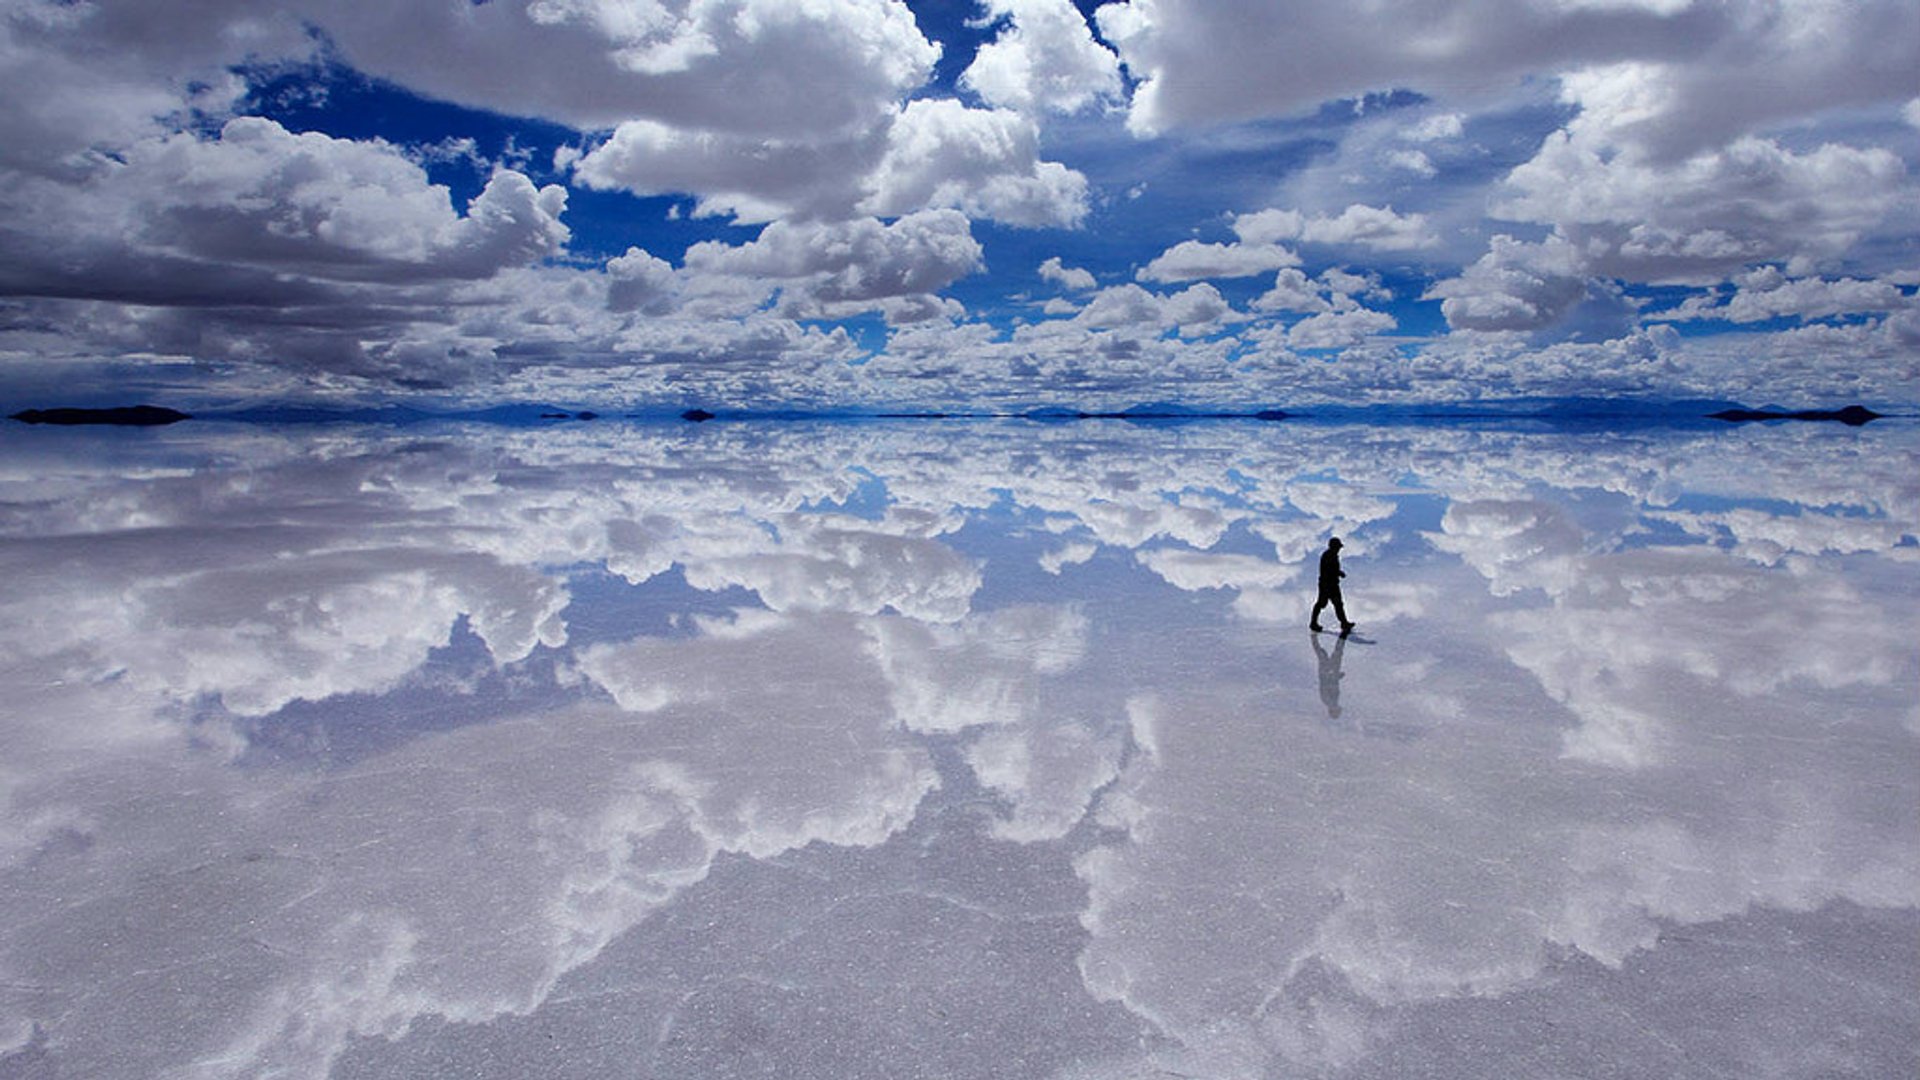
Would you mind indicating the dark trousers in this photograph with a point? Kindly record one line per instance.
(1329, 594)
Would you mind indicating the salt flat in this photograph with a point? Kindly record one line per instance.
(959, 749)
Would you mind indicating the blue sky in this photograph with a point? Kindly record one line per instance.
(958, 203)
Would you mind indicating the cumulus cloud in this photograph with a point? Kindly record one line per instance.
(297, 252)
(932, 153)
(721, 66)
(1197, 309)
(1191, 260)
(637, 281)
(1202, 63)
(1338, 329)
(1261, 235)
(140, 219)
(149, 229)
(752, 178)
(983, 162)
(853, 263)
(1515, 286)
(1768, 293)
(1374, 227)
(1752, 200)
(1044, 59)
(1067, 277)
(1292, 291)
(309, 206)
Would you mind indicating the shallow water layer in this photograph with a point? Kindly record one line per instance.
(958, 750)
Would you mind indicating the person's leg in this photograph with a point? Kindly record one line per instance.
(1340, 609)
(1313, 620)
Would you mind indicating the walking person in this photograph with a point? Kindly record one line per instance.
(1330, 575)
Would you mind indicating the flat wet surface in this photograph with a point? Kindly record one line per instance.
(969, 749)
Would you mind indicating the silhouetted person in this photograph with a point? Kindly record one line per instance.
(1330, 575)
(1330, 674)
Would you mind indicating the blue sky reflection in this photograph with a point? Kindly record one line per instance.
(369, 751)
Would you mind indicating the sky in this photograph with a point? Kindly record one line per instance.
(958, 203)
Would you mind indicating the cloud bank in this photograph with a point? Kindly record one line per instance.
(1551, 195)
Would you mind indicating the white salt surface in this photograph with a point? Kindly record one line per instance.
(958, 750)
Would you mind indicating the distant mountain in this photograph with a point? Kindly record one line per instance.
(1562, 412)
(1154, 411)
(123, 416)
(1852, 415)
(320, 414)
(1548, 408)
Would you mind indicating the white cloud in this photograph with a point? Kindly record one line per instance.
(596, 63)
(1269, 226)
(1292, 291)
(1044, 59)
(1260, 249)
(130, 230)
(1338, 329)
(983, 162)
(1191, 260)
(850, 263)
(1750, 201)
(1203, 62)
(934, 153)
(1199, 309)
(637, 281)
(1768, 293)
(307, 205)
(1196, 310)
(1515, 286)
(1437, 127)
(753, 178)
(1374, 227)
(1413, 161)
(1121, 305)
(1067, 277)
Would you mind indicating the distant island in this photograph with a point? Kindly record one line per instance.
(1852, 415)
(1155, 412)
(1565, 412)
(124, 416)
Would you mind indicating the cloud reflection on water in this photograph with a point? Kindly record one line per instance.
(1625, 682)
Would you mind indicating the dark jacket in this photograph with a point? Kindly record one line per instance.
(1330, 572)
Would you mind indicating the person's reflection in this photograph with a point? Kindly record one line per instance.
(1330, 674)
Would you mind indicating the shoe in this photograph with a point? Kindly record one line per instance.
(1314, 626)
(1347, 627)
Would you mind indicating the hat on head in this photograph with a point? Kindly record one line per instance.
(1335, 542)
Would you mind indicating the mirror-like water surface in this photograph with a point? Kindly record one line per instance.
(958, 750)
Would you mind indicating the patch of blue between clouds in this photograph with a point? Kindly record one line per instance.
(334, 99)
